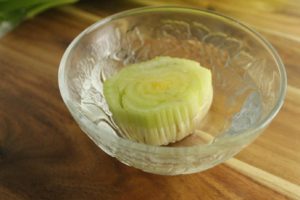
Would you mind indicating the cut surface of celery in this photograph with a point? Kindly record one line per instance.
(159, 101)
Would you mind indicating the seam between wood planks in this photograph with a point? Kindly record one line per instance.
(292, 89)
(269, 180)
(79, 13)
(89, 16)
(277, 33)
(93, 17)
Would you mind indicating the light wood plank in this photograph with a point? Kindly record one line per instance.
(277, 184)
(44, 155)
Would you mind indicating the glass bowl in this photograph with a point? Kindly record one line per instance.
(249, 82)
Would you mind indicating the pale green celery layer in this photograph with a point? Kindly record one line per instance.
(159, 101)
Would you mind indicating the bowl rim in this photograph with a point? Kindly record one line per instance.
(195, 148)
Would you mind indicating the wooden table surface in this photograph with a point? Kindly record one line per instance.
(44, 154)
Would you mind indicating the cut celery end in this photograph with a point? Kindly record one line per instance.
(159, 101)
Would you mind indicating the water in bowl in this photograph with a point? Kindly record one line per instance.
(236, 105)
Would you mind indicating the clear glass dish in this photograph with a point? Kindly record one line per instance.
(249, 82)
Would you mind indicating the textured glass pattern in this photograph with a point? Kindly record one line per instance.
(247, 83)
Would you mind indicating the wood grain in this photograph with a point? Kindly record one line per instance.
(267, 179)
(280, 143)
(278, 15)
(288, 47)
(44, 155)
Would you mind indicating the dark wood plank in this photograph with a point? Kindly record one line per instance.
(288, 48)
(44, 155)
